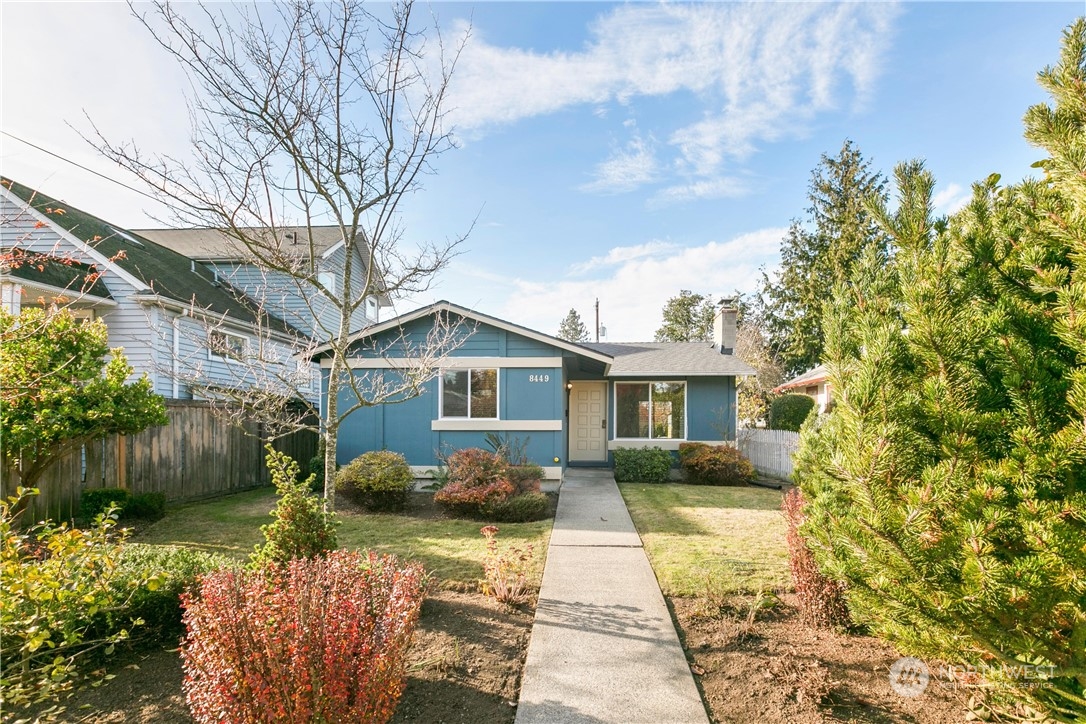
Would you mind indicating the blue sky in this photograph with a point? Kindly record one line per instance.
(618, 151)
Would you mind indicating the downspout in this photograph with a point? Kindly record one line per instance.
(174, 363)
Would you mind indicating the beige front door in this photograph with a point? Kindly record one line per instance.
(588, 422)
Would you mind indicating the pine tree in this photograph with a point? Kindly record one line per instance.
(948, 486)
(820, 253)
(572, 329)
(687, 318)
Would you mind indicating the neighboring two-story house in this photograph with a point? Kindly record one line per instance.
(295, 302)
(176, 318)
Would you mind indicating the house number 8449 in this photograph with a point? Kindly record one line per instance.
(539, 378)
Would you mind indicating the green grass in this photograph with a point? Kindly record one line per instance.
(452, 550)
(703, 539)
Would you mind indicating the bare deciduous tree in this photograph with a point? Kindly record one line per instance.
(303, 115)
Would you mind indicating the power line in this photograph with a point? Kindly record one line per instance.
(81, 166)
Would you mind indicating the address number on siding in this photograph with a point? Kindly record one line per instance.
(539, 378)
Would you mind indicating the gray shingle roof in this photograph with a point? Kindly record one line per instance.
(214, 245)
(634, 359)
(813, 375)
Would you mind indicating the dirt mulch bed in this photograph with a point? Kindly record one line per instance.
(776, 669)
(464, 666)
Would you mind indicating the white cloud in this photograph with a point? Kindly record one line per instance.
(639, 280)
(717, 188)
(622, 254)
(761, 71)
(626, 170)
(951, 199)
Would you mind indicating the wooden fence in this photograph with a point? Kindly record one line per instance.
(770, 451)
(197, 455)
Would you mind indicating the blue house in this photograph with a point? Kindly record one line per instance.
(577, 403)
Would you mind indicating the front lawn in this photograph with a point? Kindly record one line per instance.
(452, 550)
(703, 539)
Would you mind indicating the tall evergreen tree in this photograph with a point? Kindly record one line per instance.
(819, 253)
(687, 317)
(572, 329)
(948, 486)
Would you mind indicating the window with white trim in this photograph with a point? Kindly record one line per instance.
(650, 410)
(328, 281)
(470, 393)
(226, 346)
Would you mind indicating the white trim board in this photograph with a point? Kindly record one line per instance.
(422, 473)
(448, 307)
(629, 444)
(483, 425)
(449, 363)
(100, 259)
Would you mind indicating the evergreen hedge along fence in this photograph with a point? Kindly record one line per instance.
(197, 455)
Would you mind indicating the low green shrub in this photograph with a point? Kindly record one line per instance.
(316, 473)
(95, 501)
(714, 464)
(174, 570)
(522, 508)
(337, 651)
(378, 480)
(788, 412)
(302, 527)
(526, 478)
(62, 598)
(642, 465)
(145, 506)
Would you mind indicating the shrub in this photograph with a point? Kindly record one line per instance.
(476, 467)
(788, 412)
(714, 465)
(526, 478)
(642, 465)
(522, 508)
(61, 599)
(506, 571)
(302, 527)
(95, 501)
(316, 640)
(145, 506)
(512, 450)
(175, 571)
(821, 600)
(462, 499)
(377, 480)
(316, 473)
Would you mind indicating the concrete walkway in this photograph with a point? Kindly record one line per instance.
(603, 647)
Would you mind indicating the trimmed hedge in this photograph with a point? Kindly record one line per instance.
(714, 464)
(143, 506)
(378, 480)
(642, 465)
(522, 508)
(788, 412)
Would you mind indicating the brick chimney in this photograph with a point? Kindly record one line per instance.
(724, 325)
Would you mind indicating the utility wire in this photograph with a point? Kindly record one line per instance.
(79, 165)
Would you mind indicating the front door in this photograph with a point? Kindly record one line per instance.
(588, 422)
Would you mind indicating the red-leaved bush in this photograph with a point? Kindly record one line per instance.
(477, 479)
(821, 600)
(464, 499)
(315, 640)
(714, 464)
(474, 467)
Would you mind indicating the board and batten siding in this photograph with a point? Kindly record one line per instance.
(531, 402)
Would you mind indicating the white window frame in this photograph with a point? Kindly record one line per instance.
(650, 383)
(328, 279)
(211, 355)
(497, 393)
